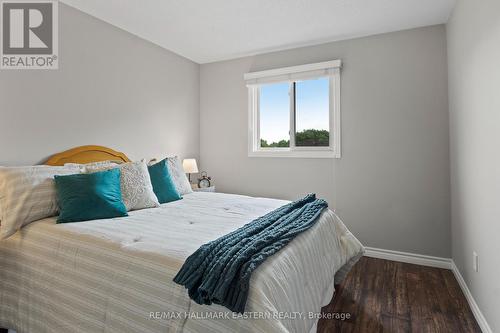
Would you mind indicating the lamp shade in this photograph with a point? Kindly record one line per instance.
(189, 165)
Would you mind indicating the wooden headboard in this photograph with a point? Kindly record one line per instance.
(87, 154)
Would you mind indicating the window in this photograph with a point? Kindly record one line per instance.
(274, 106)
(294, 111)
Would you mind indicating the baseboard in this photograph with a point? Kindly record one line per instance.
(470, 299)
(411, 258)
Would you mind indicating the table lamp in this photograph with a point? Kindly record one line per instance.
(189, 165)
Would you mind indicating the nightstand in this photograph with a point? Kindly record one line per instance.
(205, 189)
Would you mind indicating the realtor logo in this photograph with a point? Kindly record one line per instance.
(29, 34)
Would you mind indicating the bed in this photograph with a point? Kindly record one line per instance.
(116, 275)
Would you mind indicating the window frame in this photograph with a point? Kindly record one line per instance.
(254, 80)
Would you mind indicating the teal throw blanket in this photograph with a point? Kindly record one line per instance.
(219, 271)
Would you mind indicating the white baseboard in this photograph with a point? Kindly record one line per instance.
(411, 258)
(447, 263)
(470, 299)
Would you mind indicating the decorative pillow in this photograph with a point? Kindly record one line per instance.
(176, 170)
(163, 184)
(136, 187)
(28, 194)
(93, 165)
(93, 196)
(178, 175)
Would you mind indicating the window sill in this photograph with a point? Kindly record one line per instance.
(280, 153)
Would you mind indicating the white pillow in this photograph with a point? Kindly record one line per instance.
(176, 170)
(92, 165)
(28, 194)
(135, 184)
(178, 175)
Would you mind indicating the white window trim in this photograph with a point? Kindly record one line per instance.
(253, 80)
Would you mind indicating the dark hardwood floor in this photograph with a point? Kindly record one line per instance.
(387, 296)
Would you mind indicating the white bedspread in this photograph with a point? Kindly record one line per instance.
(116, 275)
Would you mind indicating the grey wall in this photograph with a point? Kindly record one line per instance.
(111, 88)
(474, 76)
(391, 186)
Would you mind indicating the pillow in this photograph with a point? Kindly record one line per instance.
(93, 196)
(137, 190)
(92, 164)
(177, 173)
(28, 194)
(163, 184)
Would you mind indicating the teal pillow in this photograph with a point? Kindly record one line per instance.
(93, 196)
(163, 185)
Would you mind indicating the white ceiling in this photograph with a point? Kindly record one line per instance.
(212, 30)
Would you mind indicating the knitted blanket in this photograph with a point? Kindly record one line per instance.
(219, 271)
